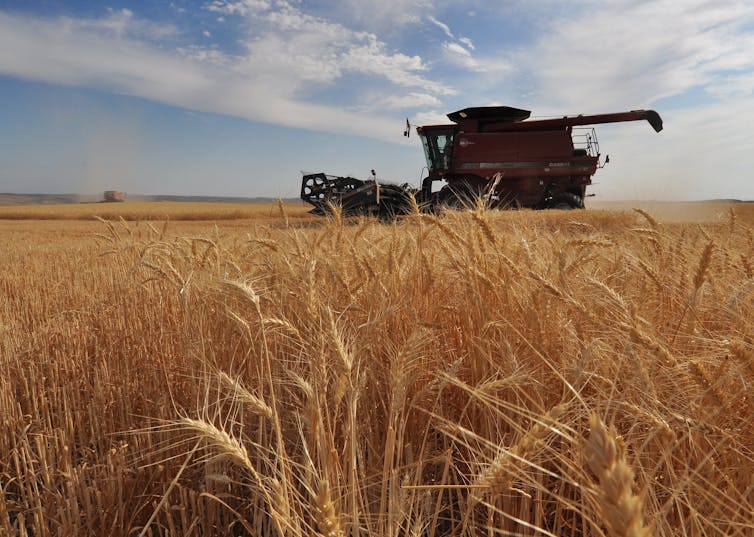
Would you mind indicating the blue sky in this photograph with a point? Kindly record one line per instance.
(236, 97)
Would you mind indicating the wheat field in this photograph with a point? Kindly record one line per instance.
(152, 211)
(582, 373)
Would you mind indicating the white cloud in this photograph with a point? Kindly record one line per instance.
(119, 24)
(646, 51)
(466, 41)
(431, 117)
(459, 56)
(206, 55)
(458, 52)
(405, 101)
(302, 48)
(371, 58)
(269, 82)
(734, 85)
(455, 48)
(383, 15)
(241, 7)
(444, 27)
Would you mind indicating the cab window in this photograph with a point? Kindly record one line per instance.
(438, 148)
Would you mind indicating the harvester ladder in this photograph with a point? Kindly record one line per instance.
(586, 138)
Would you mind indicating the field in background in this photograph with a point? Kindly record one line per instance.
(703, 211)
(485, 373)
(677, 211)
(151, 210)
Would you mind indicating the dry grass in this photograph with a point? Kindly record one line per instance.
(572, 374)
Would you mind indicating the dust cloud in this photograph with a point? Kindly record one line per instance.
(677, 211)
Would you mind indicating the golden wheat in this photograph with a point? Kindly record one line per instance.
(619, 506)
(345, 376)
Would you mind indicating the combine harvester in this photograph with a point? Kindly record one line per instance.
(113, 196)
(490, 153)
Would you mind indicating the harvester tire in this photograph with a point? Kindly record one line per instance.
(460, 196)
(567, 201)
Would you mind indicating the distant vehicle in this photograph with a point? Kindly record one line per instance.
(112, 196)
(489, 152)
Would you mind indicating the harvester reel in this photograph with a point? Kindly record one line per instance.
(356, 197)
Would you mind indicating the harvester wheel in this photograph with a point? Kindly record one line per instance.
(460, 196)
(567, 201)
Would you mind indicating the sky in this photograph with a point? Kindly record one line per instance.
(238, 97)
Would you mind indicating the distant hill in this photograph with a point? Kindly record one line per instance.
(38, 199)
(212, 199)
(51, 199)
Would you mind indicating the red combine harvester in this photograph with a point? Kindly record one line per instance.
(491, 153)
(113, 196)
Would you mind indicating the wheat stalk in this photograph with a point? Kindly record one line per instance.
(250, 401)
(326, 515)
(498, 477)
(226, 446)
(479, 217)
(619, 507)
(704, 263)
(649, 218)
(283, 214)
(743, 354)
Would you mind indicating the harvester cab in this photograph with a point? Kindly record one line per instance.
(438, 148)
(494, 153)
